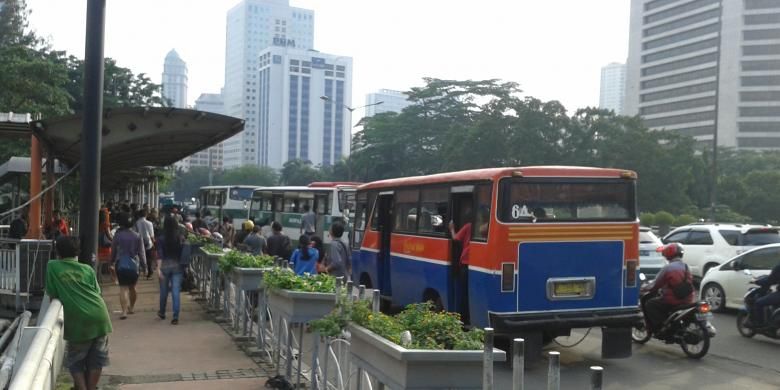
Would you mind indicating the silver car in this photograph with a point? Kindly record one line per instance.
(650, 258)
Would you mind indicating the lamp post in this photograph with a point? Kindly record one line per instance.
(327, 99)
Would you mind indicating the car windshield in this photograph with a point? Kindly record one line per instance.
(647, 237)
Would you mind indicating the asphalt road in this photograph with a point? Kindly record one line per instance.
(733, 362)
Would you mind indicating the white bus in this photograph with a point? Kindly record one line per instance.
(225, 201)
(331, 201)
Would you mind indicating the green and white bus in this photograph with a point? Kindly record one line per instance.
(331, 201)
(230, 201)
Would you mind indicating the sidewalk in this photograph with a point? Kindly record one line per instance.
(148, 353)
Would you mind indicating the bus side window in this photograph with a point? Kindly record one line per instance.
(434, 210)
(375, 215)
(406, 203)
(482, 200)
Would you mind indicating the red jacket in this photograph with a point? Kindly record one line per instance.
(669, 277)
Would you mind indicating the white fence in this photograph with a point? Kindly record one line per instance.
(23, 270)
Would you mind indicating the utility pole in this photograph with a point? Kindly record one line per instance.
(91, 135)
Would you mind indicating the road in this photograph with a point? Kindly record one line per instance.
(734, 362)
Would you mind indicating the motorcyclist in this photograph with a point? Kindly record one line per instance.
(672, 275)
(772, 299)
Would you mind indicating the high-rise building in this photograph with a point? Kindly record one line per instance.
(392, 101)
(697, 66)
(208, 102)
(252, 27)
(303, 98)
(613, 87)
(174, 80)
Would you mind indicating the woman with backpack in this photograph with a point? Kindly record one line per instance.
(305, 257)
(128, 257)
(169, 270)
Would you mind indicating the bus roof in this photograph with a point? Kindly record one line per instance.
(300, 188)
(494, 173)
(226, 187)
(331, 184)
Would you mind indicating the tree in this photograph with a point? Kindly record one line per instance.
(247, 175)
(185, 185)
(298, 173)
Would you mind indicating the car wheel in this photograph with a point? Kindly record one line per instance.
(714, 296)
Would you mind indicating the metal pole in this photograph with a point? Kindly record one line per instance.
(376, 301)
(361, 292)
(518, 364)
(91, 132)
(487, 360)
(714, 189)
(211, 169)
(315, 359)
(554, 371)
(596, 377)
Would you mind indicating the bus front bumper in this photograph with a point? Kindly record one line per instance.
(513, 323)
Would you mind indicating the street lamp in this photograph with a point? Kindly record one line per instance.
(351, 109)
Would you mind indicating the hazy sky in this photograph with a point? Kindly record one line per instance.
(553, 48)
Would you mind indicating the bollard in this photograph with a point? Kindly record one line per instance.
(339, 280)
(518, 364)
(290, 265)
(350, 284)
(487, 361)
(596, 377)
(554, 371)
(377, 300)
(362, 292)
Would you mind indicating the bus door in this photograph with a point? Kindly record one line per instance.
(277, 204)
(321, 207)
(384, 216)
(462, 211)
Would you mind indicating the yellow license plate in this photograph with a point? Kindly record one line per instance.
(570, 289)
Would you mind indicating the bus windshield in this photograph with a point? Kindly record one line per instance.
(524, 200)
(241, 193)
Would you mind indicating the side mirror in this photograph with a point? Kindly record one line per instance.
(747, 272)
(642, 276)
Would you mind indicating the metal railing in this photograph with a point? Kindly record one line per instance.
(41, 350)
(23, 269)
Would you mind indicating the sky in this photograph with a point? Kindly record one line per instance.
(554, 49)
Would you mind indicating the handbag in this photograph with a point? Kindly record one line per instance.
(105, 242)
(127, 264)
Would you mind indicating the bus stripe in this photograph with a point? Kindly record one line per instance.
(417, 258)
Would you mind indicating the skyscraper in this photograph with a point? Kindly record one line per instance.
(209, 102)
(697, 66)
(303, 104)
(613, 87)
(392, 101)
(253, 26)
(174, 80)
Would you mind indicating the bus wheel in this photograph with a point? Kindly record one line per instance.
(432, 296)
(365, 280)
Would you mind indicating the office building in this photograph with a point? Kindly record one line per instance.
(613, 87)
(303, 106)
(174, 80)
(392, 101)
(252, 27)
(701, 65)
(208, 102)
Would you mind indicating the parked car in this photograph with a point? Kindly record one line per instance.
(724, 286)
(650, 259)
(709, 245)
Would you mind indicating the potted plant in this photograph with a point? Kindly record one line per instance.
(300, 299)
(418, 348)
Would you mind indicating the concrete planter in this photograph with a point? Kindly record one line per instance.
(299, 306)
(400, 368)
(248, 279)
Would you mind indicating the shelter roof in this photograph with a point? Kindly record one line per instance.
(138, 137)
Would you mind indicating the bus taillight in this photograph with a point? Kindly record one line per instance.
(631, 273)
(507, 277)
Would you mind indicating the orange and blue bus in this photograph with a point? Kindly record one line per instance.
(552, 248)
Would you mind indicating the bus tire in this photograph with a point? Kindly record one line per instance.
(432, 296)
(365, 280)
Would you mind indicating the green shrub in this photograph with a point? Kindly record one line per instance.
(684, 219)
(647, 219)
(663, 218)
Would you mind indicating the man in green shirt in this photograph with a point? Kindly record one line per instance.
(87, 324)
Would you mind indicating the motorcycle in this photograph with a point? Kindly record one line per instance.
(771, 314)
(687, 325)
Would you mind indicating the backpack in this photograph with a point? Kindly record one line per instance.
(685, 288)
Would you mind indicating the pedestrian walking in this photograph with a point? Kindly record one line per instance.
(128, 257)
(308, 221)
(279, 244)
(169, 270)
(145, 229)
(87, 324)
